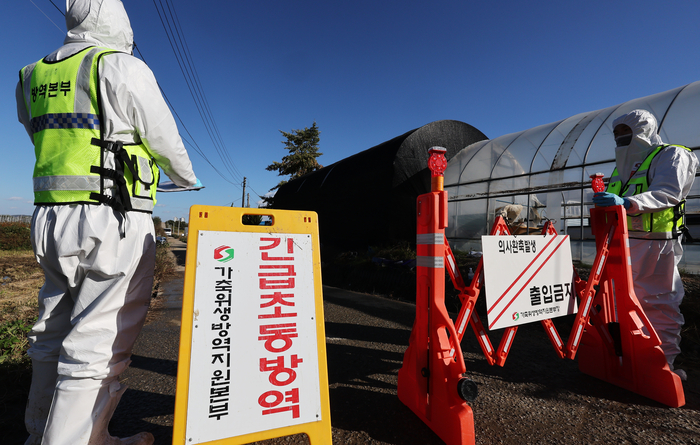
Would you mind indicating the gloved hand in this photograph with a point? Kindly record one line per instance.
(198, 183)
(605, 199)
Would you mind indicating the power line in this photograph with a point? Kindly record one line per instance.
(192, 144)
(178, 43)
(189, 86)
(57, 8)
(37, 7)
(206, 102)
(176, 38)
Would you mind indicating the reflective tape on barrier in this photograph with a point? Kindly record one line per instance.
(430, 238)
(435, 262)
(465, 320)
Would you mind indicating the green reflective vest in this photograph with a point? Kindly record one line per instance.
(664, 224)
(64, 106)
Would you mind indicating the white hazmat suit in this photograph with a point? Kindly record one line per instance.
(657, 283)
(98, 264)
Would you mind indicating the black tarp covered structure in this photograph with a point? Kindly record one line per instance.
(370, 197)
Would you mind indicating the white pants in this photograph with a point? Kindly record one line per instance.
(659, 289)
(91, 309)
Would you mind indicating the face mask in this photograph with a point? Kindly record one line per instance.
(624, 140)
(629, 157)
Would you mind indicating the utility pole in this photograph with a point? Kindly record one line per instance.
(243, 197)
(248, 205)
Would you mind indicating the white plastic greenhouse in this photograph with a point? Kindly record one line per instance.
(544, 174)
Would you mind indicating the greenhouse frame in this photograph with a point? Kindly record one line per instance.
(543, 174)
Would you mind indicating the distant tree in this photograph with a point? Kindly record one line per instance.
(157, 224)
(303, 151)
(252, 220)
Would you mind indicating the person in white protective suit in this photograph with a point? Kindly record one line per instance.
(651, 180)
(100, 128)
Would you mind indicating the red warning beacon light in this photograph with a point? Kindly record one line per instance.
(597, 183)
(437, 164)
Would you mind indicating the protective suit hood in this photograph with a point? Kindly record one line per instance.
(643, 125)
(644, 140)
(99, 22)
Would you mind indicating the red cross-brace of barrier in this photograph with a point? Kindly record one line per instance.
(469, 294)
(615, 340)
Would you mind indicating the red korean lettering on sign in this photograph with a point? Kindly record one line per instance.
(277, 323)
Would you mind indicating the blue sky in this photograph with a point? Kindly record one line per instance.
(365, 72)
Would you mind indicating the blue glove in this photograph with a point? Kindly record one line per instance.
(605, 199)
(198, 183)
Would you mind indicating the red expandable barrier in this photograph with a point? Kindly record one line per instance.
(469, 294)
(620, 346)
(432, 381)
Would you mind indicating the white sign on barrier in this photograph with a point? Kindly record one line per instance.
(527, 279)
(254, 360)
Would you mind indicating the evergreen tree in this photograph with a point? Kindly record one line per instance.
(303, 151)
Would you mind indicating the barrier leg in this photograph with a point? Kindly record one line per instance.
(621, 346)
(432, 381)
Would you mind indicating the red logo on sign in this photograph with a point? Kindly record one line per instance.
(227, 250)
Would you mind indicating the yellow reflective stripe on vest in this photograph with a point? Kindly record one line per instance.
(25, 79)
(143, 205)
(86, 82)
(48, 183)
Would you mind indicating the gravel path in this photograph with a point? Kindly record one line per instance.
(535, 398)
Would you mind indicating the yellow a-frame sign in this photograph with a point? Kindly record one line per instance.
(252, 363)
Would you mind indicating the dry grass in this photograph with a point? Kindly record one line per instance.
(20, 281)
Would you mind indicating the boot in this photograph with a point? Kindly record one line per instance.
(100, 433)
(81, 411)
(39, 401)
